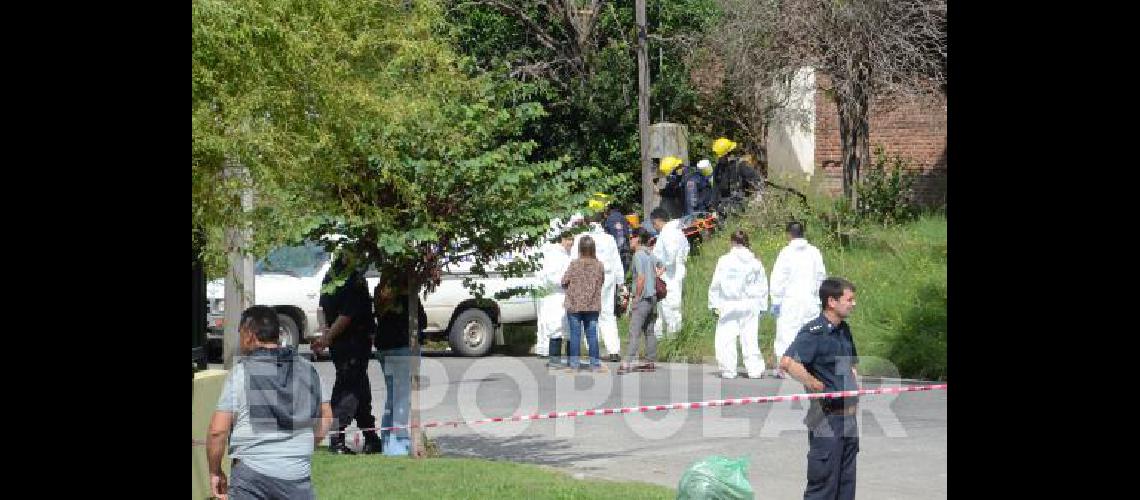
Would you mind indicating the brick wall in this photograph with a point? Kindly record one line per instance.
(914, 128)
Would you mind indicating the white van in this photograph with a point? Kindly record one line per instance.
(289, 280)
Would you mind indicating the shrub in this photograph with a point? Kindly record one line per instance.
(886, 193)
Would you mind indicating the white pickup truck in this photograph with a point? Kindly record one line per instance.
(289, 280)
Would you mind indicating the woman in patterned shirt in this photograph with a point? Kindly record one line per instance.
(583, 284)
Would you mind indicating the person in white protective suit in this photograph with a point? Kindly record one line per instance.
(551, 315)
(738, 294)
(607, 253)
(549, 260)
(671, 251)
(796, 277)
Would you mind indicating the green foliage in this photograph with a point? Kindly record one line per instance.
(837, 219)
(885, 191)
(901, 317)
(592, 117)
(356, 117)
(885, 198)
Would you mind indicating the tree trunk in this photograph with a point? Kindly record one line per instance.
(848, 159)
(414, 433)
(854, 135)
(240, 279)
(862, 144)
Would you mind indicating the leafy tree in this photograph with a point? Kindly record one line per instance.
(355, 117)
(587, 84)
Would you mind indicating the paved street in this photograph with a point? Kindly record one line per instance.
(903, 439)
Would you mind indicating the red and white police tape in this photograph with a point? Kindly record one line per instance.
(642, 409)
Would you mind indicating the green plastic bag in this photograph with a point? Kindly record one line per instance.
(716, 477)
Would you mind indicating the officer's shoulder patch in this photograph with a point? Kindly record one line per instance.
(815, 328)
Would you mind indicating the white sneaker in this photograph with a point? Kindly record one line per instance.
(727, 375)
(758, 375)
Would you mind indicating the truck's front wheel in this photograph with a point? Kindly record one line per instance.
(472, 333)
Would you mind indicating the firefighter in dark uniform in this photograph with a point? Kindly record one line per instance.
(823, 358)
(348, 314)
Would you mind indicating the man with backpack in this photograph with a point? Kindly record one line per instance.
(642, 305)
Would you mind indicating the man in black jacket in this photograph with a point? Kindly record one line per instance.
(348, 313)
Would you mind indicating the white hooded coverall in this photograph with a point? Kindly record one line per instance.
(739, 291)
(551, 314)
(671, 251)
(796, 277)
(607, 253)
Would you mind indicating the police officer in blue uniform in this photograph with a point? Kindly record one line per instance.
(823, 358)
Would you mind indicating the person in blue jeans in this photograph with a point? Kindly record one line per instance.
(397, 367)
(588, 322)
(583, 283)
(396, 361)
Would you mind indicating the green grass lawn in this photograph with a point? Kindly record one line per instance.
(374, 476)
(899, 323)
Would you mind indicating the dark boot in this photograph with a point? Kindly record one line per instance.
(372, 443)
(555, 351)
(337, 446)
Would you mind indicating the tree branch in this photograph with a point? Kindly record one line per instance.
(681, 39)
(530, 24)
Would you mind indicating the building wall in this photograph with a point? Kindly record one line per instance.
(914, 128)
(791, 136)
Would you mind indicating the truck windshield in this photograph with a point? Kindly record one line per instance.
(302, 261)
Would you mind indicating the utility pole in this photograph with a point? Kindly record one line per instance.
(643, 110)
(660, 58)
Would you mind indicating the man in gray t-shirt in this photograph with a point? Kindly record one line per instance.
(643, 304)
(273, 413)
